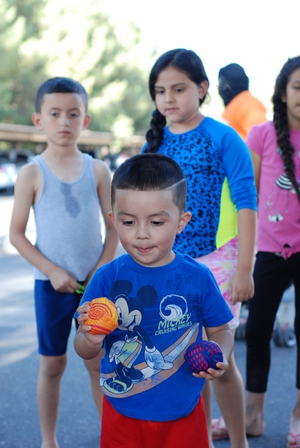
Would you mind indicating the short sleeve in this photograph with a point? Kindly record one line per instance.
(254, 140)
(97, 287)
(215, 311)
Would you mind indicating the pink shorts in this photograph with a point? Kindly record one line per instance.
(222, 263)
(120, 431)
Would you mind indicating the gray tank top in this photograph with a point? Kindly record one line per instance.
(67, 218)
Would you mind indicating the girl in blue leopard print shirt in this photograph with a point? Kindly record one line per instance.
(221, 197)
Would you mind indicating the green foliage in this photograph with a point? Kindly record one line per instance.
(40, 39)
(19, 74)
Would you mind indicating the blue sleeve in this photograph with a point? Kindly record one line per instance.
(238, 167)
(95, 288)
(215, 311)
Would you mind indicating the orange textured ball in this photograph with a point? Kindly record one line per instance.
(103, 316)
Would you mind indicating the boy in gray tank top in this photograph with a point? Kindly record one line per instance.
(65, 189)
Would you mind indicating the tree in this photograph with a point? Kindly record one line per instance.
(19, 73)
(61, 38)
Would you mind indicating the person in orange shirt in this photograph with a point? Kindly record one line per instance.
(242, 109)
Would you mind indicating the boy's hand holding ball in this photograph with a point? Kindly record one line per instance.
(203, 356)
(97, 319)
(102, 316)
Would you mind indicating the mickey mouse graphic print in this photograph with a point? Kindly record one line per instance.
(161, 312)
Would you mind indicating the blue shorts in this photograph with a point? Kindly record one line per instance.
(54, 313)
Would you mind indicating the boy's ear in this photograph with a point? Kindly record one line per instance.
(183, 220)
(202, 89)
(37, 121)
(86, 122)
(111, 217)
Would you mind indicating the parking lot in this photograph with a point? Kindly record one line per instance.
(78, 423)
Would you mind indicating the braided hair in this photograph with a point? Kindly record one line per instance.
(281, 120)
(186, 61)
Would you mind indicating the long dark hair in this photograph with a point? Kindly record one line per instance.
(186, 61)
(281, 120)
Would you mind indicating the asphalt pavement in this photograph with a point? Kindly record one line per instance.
(78, 424)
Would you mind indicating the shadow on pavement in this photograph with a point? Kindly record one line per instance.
(78, 424)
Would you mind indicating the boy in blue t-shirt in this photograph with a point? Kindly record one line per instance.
(151, 398)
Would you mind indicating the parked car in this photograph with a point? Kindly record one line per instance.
(10, 163)
(19, 156)
(8, 175)
(115, 160)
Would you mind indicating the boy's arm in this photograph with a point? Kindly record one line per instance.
(241, 285)
(223, 337)
(25, 190)
(103, 183)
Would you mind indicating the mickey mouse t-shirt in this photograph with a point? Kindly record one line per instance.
(161, 312)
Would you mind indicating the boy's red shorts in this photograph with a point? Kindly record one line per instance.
(120, 431)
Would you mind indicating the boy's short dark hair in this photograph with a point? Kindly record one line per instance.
(150, 172)
(59, 85)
